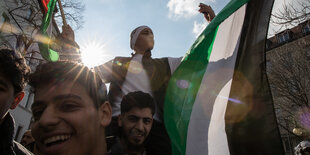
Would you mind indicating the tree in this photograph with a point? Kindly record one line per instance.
(73, 10)
(290, 78)
(288, 66)
(289, 15)
(26, 16)
(288, 69)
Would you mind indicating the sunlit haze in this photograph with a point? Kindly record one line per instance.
(93, 53)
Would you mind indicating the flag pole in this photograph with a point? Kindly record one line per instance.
(62, 13)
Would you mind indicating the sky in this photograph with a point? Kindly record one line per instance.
(108, 24)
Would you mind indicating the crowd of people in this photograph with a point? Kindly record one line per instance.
(75, 114)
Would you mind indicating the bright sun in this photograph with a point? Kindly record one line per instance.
(93, 54)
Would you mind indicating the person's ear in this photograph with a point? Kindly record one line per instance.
(106, 114)
(18, 97)
(119, 120)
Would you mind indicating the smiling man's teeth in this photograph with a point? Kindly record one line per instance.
(56, 138)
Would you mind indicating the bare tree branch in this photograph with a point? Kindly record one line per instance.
(291, 14)
(27, 17)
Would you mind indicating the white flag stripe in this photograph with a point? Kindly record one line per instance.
(206, 130)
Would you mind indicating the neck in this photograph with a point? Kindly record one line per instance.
(140, 52)
(132, 149)
(101, 148)
(147, 54)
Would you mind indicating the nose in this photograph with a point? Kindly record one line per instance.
(140, 125)
(48, 118)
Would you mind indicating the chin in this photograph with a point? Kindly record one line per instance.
(135, 143)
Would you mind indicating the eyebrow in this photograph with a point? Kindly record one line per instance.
(140, 117)
(66, 96)
(57, 98)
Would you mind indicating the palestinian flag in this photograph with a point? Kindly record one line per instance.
(218, 101)
(46, 30)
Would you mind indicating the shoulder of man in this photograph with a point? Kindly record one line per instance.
(170, 59)
(20, 149)
(122, 58)
(121, 62)
(116, 147)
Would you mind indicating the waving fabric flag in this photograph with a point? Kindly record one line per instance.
(46, 30)
(218, 101)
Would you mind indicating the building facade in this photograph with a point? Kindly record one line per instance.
(288, 70)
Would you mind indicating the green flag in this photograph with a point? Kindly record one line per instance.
(46, 31)
(218, 100)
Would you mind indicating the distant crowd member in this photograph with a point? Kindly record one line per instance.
(29, 143)
(27, 138)
(13, 76)
(70, 110)
(70, 50)
(135, 121)
(303, 148)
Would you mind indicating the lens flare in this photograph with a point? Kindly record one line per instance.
(304, 117)
(231, 99)
(183, 84)
(93, 53)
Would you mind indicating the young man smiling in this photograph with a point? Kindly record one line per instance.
(13, 76)
(135, 121)
(70, 110)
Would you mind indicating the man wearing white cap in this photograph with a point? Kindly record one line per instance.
(140, 73)
(143, 73)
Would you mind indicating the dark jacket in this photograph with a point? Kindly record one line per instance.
(116, 147)
(158, 70)
(7, 144)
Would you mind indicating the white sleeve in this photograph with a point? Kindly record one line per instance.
(174, 63)
(105, 71)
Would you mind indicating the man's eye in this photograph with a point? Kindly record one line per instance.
(37, 114)
(147, 121)
(133, 119)
(68, 106)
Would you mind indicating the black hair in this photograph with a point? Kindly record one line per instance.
(137, 99)
(14, 67)
(56, 72)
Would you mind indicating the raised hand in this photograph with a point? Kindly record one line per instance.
(207, 11)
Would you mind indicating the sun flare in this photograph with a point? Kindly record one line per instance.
(93, 53)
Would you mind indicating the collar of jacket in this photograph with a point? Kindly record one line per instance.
(7, 131)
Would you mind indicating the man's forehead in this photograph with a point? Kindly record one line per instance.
(56, 88)
(147, 30)
(53, 92)
(139, 112)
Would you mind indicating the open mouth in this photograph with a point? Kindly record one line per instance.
(48, 142)
(138, 135)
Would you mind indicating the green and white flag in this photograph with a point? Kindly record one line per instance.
(218, 101)
(46, 30)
